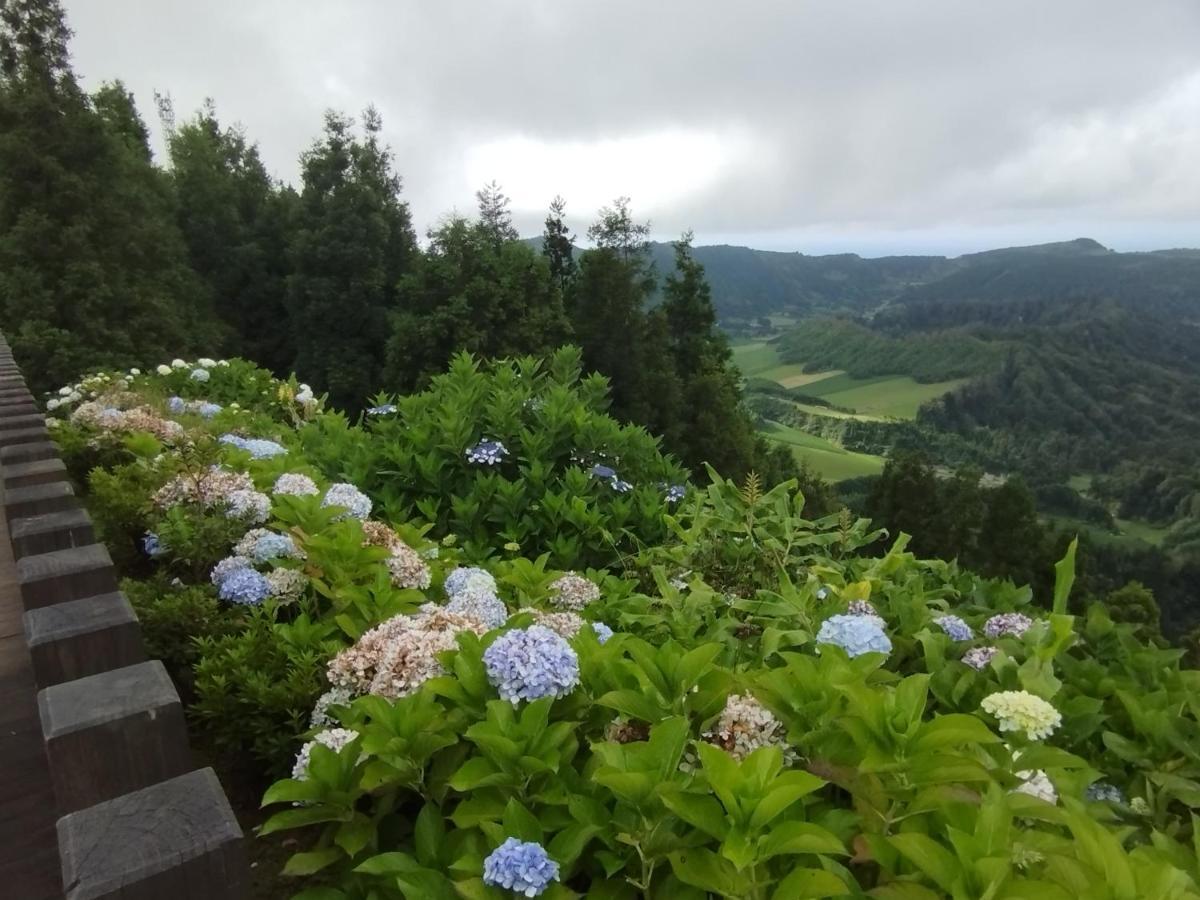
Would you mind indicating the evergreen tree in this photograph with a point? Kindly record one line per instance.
(93, 270)
(558, 246)
(235, 221)
(479, 289)
(352, 242)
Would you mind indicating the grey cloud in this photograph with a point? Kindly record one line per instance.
(936, 122)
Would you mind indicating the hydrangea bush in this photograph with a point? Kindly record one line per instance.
(472, 699)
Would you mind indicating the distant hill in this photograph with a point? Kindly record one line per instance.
(748, 284)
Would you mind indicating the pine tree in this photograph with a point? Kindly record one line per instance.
(93, 270)
(235, 221)
(352, 242)
(473, 290)
(495, 217)
(558, 246)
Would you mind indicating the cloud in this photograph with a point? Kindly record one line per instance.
(873, 121)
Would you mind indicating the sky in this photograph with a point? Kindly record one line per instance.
(868, 126)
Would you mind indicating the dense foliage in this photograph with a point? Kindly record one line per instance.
(743, 704)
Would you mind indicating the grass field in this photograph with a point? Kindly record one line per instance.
(888, 396)
(828, 460)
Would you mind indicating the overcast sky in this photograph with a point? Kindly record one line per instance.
(871, 126)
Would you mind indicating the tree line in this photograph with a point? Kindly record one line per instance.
(109, 259)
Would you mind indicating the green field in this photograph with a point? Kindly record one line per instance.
(888, 396)
(826, 459)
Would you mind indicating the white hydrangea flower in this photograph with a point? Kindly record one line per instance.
(1023, 711)
(746, 725)
(52, 404)
(333, 738)
(206, 363)
(135, 371)
(164, 369)
(222, 362)
(1036, 783)
(178, 364)
(65, 391)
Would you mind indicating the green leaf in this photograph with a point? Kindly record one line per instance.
(929, 857)
(388, 864)
(952, 730)
(429, 832)
(805, 884)
(1064, 578)
(475, 773)
(800, 837)
(354, 835)
(298, 818)
(519, 822)
(698, 810)
(704, 869)
(312, 861)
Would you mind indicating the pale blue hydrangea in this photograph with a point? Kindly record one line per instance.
(252, 506)
(355, 502)
(676, 492)
(481, 605)
(466, 578)
(822, 592)
(854, 634)
(207, 410)
(385, 410)
(487, 453)
(1103, 792)
(979, 657)
(621, 487)
(954, 627)
(228, 566)
(153, 546)
(531, 663)
(1012, 623)
(176, 405)
(245, 587)
(607, 473)
(296, 485)
(603, 632)
(258, 448)
(262, 546)
(522, 867)
(200, 375)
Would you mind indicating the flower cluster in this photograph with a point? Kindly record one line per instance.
(488, 453)
(954, 627)
(105, 416)
(530, 663)
(481, 605)
(467, 578)
(203, 408)
(338, 696)
(333, 738)
(356, 504)
(564, 624)
(258, 448)
(1015, 624)
(252, 506)
(979, 657)
(227, 567)
(293, 484)
(200, 375)
(385, 410)
(287, 585)
(210, 487)
(152, 545)
(854, 634)
(1103, 792)
(520, 866)
(1036, 783)
(405, 565)
(246, 587)
(746, 725)
(396, 657)
(603, 632)
(573, 592)
(676, 492)
(261, 545)
(1022, 711)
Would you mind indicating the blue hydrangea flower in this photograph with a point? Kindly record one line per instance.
(153, 545)
(208, 410)
(227, 567)
(386, 410)
(822, 592)
(676, 492)
(468, 578)
(979, 657)
(603, 632)
(246, 587)
(1103, 792)
(531, 663)
(176, 405)
(270, 546)
(487, 453)
(481, 605)
(605, 472)
(356, 503)
(200, 375)
(256, 447)
(522, 867)
(854, 634)
(233, 440)
(954, 627)
(621, 487)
